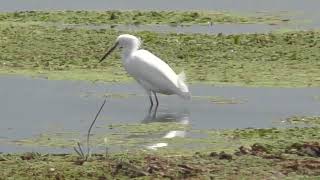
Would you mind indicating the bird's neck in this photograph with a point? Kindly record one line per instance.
(127, 52)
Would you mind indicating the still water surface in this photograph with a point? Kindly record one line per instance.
(31, 106)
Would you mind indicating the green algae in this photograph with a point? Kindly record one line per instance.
(303, 120)
(136, 17)
(274, 59)
(135, 136)
(61, 140)
(148, 128)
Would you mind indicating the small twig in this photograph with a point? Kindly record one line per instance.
(80, 149)
(76, 150)
(89, 131)
(107, 150)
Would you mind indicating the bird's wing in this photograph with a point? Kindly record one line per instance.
(147, 67)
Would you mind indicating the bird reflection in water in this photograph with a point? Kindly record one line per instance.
(181, 117)
(154, 115)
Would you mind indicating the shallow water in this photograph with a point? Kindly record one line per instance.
(30, 107)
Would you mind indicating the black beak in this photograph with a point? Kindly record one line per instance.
(109, 51)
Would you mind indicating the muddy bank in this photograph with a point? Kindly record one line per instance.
(256, 159)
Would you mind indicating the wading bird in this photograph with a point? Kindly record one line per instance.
(153, 74)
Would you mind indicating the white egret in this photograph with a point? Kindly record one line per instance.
(153, 74)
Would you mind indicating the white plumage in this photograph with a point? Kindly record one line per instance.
(153, 74)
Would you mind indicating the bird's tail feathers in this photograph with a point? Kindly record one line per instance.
(184, 90)
(182, 76)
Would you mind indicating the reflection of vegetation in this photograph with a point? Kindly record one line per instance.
(111, 95)
(212, 99)
(134, 17)
(275, 59)
(219, 100)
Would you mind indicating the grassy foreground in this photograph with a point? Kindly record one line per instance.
(275, 59)
(260, 153)
(245, 164)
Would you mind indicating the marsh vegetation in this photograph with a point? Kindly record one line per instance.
(276, 59)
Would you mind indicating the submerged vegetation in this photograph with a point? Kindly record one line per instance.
(303, 120)
(274, 59)
(136, 17)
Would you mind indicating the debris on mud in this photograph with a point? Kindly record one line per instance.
(129, 170)
(221, 155)
(305, 149)
(311, 167)
(256, 150)
(29, 156)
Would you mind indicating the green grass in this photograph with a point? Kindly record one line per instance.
(150, 166)
(135, 17)
(288, 59)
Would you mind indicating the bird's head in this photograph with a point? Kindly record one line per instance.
(125, 42)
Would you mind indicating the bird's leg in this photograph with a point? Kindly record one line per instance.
(155, 95)
(149, 111)
(151, 102)
(155, 112)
